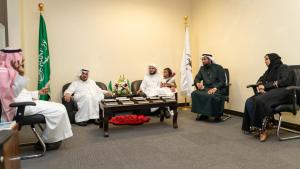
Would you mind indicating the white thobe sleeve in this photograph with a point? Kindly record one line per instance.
(71, 89)
(19, 84)
(98, 89)
(104, 91)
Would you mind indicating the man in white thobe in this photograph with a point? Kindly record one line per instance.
(58, 126)
(87, 94)
(150, 85)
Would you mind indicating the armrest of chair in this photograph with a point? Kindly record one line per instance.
(253, 86)
(21, 108)
(293, 88)
(19, 104)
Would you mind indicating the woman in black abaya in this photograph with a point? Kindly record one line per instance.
(271, 92)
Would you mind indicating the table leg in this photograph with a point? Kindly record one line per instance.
(175, 125)
(101, 119)
(106, 117)
(162, 115)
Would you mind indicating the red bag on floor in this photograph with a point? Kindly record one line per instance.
(129, 119)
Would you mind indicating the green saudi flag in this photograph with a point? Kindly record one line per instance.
(44, 59)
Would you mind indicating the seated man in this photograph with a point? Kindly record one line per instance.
(58, 126)
(208, 99)
(151, 86)
(87, 95)
(151, 83)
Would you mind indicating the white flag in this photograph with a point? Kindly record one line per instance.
(186, 67)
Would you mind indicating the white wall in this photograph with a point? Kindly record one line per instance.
(240, 32)
(14, 23)
(108, 37)
(2, 36)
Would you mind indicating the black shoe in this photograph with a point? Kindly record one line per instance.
(53, 146)
(202, 118)
(96, 121)
(218, 119)
(83, 123)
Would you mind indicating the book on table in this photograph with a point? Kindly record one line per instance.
(111, 103)
(154, 98)
(168, 99)
(122, 99)
(139, 98)
(127, 102)
(109, 100)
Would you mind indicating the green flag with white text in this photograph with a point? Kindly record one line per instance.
(44, 59)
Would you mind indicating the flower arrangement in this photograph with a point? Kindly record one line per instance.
(121, 87)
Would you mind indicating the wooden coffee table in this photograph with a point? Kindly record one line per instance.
(110, 110)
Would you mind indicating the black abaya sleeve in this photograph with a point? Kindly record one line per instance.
(285, 78)
(198, 77)
(221, 79)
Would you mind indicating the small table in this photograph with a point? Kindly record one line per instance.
(9, 149)
(110, 110)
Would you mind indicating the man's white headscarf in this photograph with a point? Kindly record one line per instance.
(153, 65)
(209, 56)
(81, 71)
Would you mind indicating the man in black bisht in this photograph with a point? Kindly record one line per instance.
(271, 92)
(208, 99)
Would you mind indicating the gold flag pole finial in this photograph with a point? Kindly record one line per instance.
(186, 18)
(41, 7)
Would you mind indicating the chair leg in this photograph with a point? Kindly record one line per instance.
(295, 136)
(42, 143)
(225, 117)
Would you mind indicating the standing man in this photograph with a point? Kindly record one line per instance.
(87, 95)
(208, 99)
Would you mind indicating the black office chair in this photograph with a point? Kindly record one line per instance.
(72, 106)
(135, 86)
(227, 85)
(31, 120)
(287, 108)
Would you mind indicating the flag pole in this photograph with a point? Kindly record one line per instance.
(185, 107)
(43, 54)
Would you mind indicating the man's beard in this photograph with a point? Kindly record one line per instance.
(152, 73)
(82, 79)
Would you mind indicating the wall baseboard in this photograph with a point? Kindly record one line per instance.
(233, 112)
(284, 124)
(183, 104)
